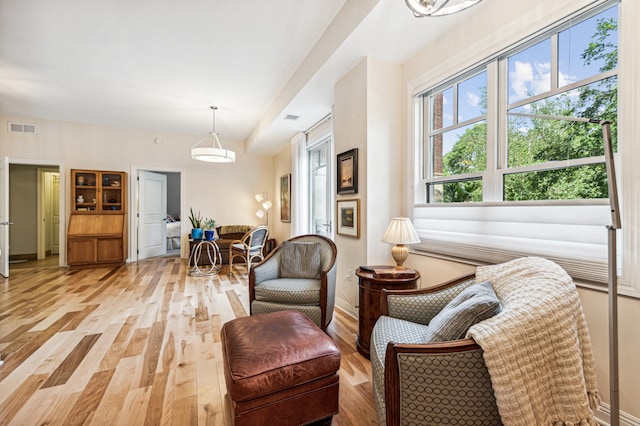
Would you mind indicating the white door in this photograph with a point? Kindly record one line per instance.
(55, 213)
(152, 212)
(4, 217)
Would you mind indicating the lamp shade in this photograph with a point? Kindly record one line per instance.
(438, 7)
(214, 153)
(401, 231)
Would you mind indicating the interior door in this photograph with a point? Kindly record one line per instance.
(55, 213)
(4, 216)
(152, 212)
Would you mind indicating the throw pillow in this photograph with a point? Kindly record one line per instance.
(300, 260)
(474, 304)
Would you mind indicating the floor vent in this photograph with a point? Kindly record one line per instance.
(27, 128)
(291, 117)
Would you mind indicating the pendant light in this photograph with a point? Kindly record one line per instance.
(214, 153)
(422, 8)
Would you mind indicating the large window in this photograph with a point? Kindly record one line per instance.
(533, 155)
(500, 172)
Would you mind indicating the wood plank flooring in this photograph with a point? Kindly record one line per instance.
(135, 345)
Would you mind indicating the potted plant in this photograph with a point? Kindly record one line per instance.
(196, 224)
(209, 226)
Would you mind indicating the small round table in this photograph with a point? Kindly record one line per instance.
(212, 252)
(370, 290)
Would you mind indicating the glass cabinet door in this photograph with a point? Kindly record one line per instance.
(111, 192)
(85, 190)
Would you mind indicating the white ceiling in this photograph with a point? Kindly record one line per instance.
(160, 64)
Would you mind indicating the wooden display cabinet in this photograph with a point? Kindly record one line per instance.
(97, 233)
(98, 192)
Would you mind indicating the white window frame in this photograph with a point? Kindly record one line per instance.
(584, 257)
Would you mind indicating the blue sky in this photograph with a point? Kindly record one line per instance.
(529, 73)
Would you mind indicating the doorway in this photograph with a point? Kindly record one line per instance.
(35, 211)
(156, 214)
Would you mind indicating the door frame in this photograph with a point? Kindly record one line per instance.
(62, 211)
(134, 210)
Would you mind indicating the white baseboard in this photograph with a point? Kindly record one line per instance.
(347, 307)
(603, 417)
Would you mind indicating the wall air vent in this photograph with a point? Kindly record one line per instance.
(27, 128)
(291, 117)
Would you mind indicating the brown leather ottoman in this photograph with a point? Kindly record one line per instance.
(280, 369)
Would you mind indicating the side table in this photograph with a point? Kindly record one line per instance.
(370, 291)
(211, 261)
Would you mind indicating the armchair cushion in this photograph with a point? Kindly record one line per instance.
(296, 291)
(474, 304)
(300, 260)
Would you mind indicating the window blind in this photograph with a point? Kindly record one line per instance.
(574, 236)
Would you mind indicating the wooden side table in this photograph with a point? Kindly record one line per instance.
(370, 290)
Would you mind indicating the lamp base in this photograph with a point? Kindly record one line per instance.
(399, 252)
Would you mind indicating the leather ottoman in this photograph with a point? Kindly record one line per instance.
(280, 369)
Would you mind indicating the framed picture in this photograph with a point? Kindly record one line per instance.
(349, 217)
(285, 198)
(347, 167)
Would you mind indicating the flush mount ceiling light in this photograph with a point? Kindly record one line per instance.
(214, 153)
(423, 8)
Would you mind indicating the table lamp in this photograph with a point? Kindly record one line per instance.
(400, 232)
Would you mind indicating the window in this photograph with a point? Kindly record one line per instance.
(320, 200)
(500, 172)
(571, 72)
(457, 141)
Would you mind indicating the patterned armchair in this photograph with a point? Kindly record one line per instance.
(274, 286)
(443, 383)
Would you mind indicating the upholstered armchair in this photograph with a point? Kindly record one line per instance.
(441, 383)
(299, 274)
(249, 247)
(511, 339)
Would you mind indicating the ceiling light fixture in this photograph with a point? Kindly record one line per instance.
(423, 8)
(214, 153)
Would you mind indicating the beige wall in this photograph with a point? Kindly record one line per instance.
(23, 212)
(281, 166)
(222, 191)
(367, 117)
(350, 131)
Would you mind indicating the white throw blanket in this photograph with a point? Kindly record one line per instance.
(538, 349)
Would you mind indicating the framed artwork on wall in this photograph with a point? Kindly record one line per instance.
(347, 170)
(285, 198)
(348, 212)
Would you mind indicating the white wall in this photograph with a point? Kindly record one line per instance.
(222, 191)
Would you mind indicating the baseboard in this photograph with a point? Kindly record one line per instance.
(603, 417)
(26, 256)
(347, 307)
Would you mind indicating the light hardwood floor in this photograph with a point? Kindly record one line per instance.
(136, 345)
